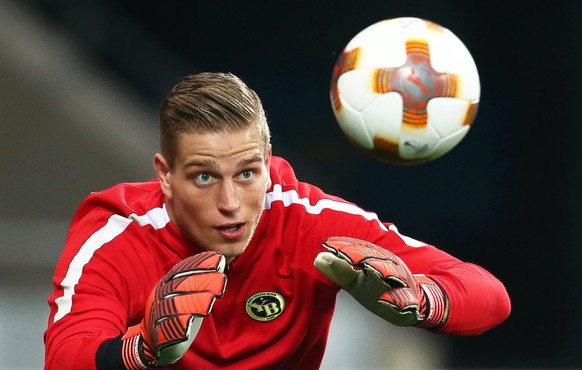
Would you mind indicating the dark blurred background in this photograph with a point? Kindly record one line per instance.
(507, 197)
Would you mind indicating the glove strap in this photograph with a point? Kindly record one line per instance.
(435, 305)
(135, 352)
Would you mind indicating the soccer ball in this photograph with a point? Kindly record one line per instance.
(405, 90)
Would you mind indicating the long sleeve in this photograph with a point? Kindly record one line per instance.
(478, 301)
(111, 260)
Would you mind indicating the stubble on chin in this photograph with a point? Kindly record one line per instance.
(232, 254)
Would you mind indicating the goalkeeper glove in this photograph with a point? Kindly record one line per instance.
(174, 312)
(380, 281)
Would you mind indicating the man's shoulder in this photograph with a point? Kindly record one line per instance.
(126, 197)
(286, 185)
(143, 186)
(282, 173)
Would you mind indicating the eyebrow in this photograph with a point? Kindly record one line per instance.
(200, 163)
(214, 164)
(251, 160)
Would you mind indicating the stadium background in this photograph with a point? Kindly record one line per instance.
(80, 83)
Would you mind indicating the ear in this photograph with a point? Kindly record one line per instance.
(163, 173)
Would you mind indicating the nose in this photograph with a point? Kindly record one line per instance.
(228, 199)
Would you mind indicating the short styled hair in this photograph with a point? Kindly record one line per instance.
(209, 102)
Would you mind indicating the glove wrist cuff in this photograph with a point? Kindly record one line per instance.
(435, 307)
(135, 350)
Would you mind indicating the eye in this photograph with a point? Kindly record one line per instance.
(247, 174)
(203, 178)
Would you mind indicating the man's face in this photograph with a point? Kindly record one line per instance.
(215, 194)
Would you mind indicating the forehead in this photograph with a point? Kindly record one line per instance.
(224, 145)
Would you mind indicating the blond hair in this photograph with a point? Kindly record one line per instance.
(209, 102)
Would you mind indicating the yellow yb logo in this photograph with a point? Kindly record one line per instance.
(265, 306)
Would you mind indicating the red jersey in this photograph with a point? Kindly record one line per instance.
(277, 307)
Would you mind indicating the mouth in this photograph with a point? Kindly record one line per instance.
(231, 231)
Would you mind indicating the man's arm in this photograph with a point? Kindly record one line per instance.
(173, 314)
(456, 297)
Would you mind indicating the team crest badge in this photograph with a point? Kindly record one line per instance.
(265, 306)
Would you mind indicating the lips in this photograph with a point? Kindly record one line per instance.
(231, 231)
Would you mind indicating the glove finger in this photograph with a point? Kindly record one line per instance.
(402, 304)
(172, 319)
(403, 299)
(213, 282)
(335, 268)
(398, 318)
(198, 302)
(172, 350)
(199, 263)
(173, 329)
(387, 271)
(355, 250)
(385, 267)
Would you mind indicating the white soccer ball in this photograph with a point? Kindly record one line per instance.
(405, 90)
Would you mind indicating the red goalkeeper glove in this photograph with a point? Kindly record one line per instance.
(382, 283)
(174, 312)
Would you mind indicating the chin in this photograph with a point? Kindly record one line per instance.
(230, 251)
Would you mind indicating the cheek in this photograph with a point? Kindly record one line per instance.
(187, 210)
(185, 200)
(255, 198)
(266, 185)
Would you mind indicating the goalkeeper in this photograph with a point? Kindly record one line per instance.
(227, 261)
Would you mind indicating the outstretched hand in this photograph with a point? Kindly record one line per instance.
(382, 282)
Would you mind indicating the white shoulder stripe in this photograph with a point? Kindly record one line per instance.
(157, 218)
(291, 197)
